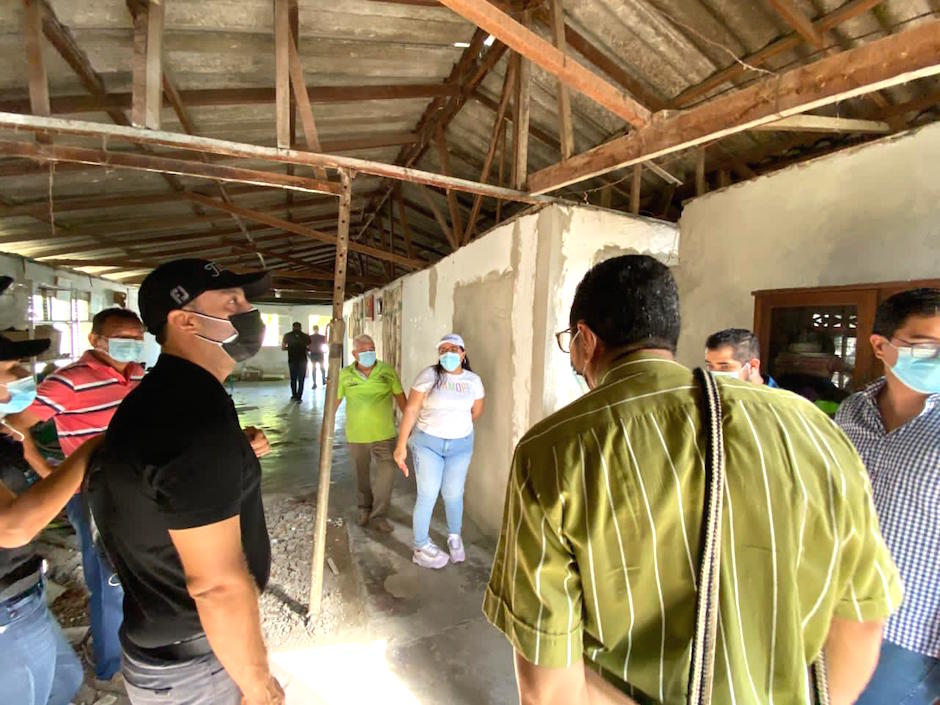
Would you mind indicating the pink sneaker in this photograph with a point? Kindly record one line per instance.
(430, 557)
(455, 546)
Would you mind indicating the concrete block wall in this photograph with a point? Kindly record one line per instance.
(507, 293)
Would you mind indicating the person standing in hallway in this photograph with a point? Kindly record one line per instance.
(895, 425)
(317, 341)
(81, 399)
(369, 386)
(176, 493)
(37, 664)
(597, 576)
(296, 343)
(445, 400)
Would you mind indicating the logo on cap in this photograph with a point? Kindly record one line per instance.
(213, 269)
(179, 295)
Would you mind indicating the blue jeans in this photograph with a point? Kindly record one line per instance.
(903, 678)
(440, 468)
(37, 665)
(107, 596)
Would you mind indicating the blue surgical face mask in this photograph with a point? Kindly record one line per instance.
(920, 374)
(450, 361)
(22, 393)
(367, 358)
(125, 349)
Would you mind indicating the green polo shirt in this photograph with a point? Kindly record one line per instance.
(370, 415)
(598, 555)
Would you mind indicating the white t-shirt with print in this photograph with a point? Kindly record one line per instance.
(446, 409)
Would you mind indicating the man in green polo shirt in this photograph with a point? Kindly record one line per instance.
(598, 559)
(368, 386)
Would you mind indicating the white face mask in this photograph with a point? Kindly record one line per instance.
(742, 375)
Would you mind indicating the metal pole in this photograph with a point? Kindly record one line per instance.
(337, 332)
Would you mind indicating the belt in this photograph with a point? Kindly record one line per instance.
(21, 580)
(178, 651)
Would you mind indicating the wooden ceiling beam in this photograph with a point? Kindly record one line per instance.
(282, 105)
(219, 97)
(565, 126)
(898, 58)
(824, 124)
(162, 165)
(251, 151)
(147, 64)
(35, 64)
(541, 52)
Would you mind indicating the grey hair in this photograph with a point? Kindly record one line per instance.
(362, 339)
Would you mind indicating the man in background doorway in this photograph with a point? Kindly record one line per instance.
(735, 352)
(369, 385)
(317, 341)
(81, 399)
(895, 424)
(296, 343)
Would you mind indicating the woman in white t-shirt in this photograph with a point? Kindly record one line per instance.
(445, 400)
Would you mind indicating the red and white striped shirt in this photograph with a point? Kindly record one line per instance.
(82, 398)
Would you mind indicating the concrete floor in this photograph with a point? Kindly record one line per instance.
(423, 638)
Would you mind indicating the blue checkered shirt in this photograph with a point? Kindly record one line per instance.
(904, 466)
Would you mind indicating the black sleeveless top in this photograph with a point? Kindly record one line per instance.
(13, 468)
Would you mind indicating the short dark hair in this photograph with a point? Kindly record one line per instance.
(298, 324)
(894, 311)
(742, 341)
(631, 300)
(105, 315)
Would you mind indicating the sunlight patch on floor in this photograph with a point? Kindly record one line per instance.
(338, 674)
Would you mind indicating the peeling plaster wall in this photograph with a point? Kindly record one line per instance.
(865, 215)
(507, 293)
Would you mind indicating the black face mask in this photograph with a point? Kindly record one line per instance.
(249, 334)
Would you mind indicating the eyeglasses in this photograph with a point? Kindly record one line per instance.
(920, 351)
(564, 338)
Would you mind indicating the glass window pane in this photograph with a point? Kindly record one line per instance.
(272, 337)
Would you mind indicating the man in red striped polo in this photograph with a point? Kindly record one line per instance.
(81, 398)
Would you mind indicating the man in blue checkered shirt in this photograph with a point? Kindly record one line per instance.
(895, 425)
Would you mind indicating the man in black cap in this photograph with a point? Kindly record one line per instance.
(37, 665)
(176, 494)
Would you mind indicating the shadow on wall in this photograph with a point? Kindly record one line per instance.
(483, 316)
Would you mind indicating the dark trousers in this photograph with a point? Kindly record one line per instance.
(298, 373)
(315, 361)
(201, 681)
(374, 496)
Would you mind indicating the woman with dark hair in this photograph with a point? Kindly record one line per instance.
(445, 400)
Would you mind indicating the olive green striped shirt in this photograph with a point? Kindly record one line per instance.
(598, 554)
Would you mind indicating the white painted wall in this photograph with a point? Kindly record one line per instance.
(507, 293)
(865, 215)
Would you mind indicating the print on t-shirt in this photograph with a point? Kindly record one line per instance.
(446, 411)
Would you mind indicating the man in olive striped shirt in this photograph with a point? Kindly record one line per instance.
(597, 563)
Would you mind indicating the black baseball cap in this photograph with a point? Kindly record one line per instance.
(174, 284)
(5, 282)
(20, 349)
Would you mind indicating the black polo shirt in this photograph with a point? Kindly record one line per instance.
(296, 342)
(174, 457)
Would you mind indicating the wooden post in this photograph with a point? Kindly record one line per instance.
(35, 66)
(701, 185)
(565, 127)
(147, 94)
(635, 188)
(520, 123)
(501, 176)
(282, 72)
(337, 333)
